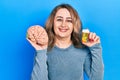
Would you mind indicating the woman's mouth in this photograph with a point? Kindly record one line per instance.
(63, 30)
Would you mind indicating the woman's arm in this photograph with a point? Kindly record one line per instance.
(40, 66)
(94, 63)
(38, 38)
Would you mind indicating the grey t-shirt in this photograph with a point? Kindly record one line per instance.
(69, 63)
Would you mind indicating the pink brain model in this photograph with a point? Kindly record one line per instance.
(37, 34)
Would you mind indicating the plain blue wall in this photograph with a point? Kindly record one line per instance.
(16, 54)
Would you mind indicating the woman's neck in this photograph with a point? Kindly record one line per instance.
(63, 42)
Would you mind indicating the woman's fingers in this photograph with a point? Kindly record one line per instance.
(93, 37)
(97, 39)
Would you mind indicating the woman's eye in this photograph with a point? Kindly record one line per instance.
(59, 19)
(69, 21)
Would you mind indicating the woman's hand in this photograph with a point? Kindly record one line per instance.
(37, 37)
(93, 39)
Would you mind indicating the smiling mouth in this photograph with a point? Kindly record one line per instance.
(62, 30)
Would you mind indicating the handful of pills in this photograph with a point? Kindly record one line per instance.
(85, 34)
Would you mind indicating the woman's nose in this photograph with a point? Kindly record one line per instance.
(63, 23)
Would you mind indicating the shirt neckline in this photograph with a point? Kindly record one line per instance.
(56, 47)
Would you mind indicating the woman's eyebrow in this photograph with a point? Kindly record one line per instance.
(59, 17)
(62, 17)
(68, 18)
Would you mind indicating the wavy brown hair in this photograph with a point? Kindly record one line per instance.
(77, 26)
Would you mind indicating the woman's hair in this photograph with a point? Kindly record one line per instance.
(77, 26)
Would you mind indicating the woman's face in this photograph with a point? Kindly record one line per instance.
(63, 25)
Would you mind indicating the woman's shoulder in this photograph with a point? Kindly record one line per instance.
(55, 51)
(84, 51)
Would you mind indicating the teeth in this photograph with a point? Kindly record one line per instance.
(63, 30)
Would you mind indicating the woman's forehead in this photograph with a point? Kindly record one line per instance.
(63, 12)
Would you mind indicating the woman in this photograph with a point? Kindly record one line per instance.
(65, 56)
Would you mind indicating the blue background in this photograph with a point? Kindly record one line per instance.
(16, 54)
